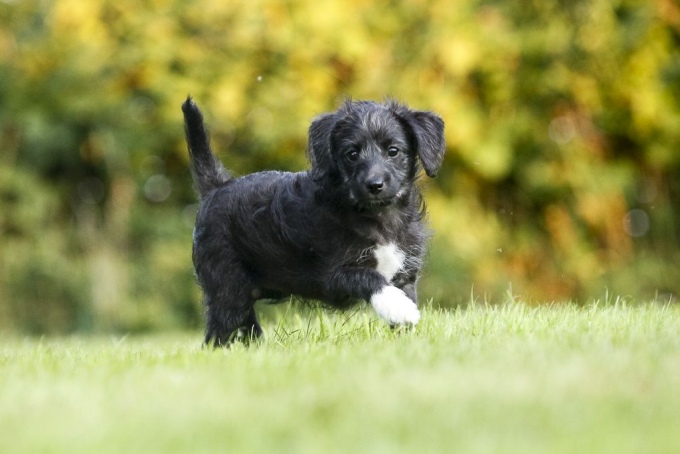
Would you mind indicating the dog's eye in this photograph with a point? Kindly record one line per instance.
(352, 155)
(392, 151)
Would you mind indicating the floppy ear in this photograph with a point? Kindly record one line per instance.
(428, 129)
(319, 146)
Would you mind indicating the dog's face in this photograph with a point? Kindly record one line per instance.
(368, 152)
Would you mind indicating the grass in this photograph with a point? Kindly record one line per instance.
(511, 378)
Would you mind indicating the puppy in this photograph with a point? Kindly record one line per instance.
(351, 228)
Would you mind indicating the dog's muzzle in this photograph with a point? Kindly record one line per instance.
(375, 193)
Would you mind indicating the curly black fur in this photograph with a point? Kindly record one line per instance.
(316, 234)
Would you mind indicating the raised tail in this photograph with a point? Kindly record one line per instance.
(209, 173)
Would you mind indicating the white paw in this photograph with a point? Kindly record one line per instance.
(393, 306)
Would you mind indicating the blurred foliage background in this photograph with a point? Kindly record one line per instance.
(562, 177)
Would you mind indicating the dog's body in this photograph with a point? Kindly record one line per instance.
(350, 228)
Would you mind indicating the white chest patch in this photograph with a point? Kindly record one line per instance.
(390, 260)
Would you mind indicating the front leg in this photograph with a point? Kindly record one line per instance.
(389, 302)
(407, 283)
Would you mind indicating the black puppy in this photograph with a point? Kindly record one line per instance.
(350, 228)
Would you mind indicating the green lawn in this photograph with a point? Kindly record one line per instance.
(513, 378)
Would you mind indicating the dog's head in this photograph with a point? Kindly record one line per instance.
(370, 152)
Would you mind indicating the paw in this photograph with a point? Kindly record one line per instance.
(393, 306)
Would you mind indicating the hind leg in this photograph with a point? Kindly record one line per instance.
(229, 303)
(226, 324)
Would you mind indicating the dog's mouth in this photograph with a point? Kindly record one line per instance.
(366, 202)
(375, 205)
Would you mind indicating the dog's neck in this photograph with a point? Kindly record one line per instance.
(383, 222)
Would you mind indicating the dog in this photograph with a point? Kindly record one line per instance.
(350, 228)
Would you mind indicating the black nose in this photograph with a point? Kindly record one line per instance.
(375, 185)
